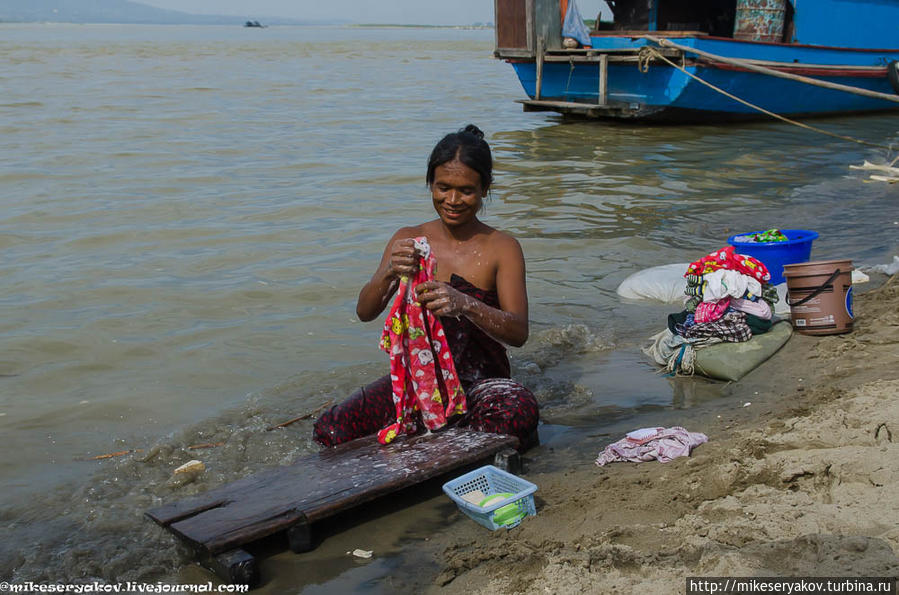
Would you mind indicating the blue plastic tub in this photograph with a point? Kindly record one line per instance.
(774, 255)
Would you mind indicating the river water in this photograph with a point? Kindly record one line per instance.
(188, 214)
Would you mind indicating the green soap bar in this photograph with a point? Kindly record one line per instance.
(504, 515)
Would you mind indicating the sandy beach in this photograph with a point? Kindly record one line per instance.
(799, 482)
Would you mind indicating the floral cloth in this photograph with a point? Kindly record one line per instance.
(422, 373)
(496, 404)
(727, 258)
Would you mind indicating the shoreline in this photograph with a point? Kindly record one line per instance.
(798, 483)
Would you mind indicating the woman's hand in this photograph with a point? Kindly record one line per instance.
(403, 259)
(441, 299)
(399, 259)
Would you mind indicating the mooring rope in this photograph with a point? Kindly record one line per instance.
(749, 65)
(570, 72)
(648, 53)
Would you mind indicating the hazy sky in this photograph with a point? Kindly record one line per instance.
(432, 12)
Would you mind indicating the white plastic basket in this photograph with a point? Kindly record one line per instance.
(504, 512)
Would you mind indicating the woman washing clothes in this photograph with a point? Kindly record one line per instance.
(475, 288)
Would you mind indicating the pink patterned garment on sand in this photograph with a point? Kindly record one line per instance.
(647, 444)
(422, 372)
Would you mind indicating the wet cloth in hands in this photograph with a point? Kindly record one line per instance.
(483, 369)
(422, 372)
(647, 444)
(727, 258)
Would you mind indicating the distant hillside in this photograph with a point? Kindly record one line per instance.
(115, 11)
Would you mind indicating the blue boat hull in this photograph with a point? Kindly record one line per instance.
(665, 92)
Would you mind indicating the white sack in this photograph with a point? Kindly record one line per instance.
(665, 283)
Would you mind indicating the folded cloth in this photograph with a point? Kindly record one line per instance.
(676, 353)
(672, 351)
(647, 444)
(678, 321)
(731, 327)
(727, 283)
(694, 286)
(727, 258)
(691, 303)
(760, 308)
(711, 311)
(758, 326)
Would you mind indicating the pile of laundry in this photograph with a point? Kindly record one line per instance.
(728, 299)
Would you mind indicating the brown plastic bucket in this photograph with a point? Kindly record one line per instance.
(820, 296)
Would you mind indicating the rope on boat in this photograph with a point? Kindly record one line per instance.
(648, 53)
(661, 42)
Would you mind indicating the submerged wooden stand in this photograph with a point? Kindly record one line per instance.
(291, 499)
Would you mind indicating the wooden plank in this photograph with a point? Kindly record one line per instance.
(549, 105)
(592, 110)
(511, 24)
(320, 485)
(639, 33)
(548, 23)
(540, 55)
(618, 58)
(603, 79)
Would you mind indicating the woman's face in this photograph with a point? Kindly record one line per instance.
(457, 193)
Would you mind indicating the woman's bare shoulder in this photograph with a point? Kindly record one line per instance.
(503, 242)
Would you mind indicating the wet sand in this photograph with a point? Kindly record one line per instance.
(801, 482)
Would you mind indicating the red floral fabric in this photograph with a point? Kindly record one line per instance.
(422, 372)
(495, 403)
(727, 258)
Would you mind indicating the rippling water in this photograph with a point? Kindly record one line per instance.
(188, 214)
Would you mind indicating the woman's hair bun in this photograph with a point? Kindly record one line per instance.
(472, 129)
(467, 145)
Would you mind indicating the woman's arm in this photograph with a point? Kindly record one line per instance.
(398, 259)
(509, 323)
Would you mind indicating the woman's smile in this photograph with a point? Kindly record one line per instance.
(457, 193)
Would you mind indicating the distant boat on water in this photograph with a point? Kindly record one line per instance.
(654, 59)
(254, 24)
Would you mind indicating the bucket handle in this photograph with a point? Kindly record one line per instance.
(816, 292)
